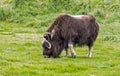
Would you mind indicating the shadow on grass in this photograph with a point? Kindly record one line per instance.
(82, 57)
(78, 58)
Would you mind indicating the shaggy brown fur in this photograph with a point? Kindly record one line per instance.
(70, 29)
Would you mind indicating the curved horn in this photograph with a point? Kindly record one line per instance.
(46, 33)
(50, 34)
(49, 45)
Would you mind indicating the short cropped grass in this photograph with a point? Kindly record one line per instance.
(21, 55)
(23, 22)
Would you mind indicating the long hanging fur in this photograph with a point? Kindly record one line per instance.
(79, 30)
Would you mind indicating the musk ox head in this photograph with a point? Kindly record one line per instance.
(46, 44)
(52, 44)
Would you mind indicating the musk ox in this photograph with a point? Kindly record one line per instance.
(66, 31)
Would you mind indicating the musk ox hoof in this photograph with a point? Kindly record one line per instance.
(66, 56)
(45, 56)
(74, 56)
(89, 56)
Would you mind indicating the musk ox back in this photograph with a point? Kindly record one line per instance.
(67, 31)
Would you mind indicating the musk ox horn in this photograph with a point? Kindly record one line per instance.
(49, 45)
(49, 34)
(46, 33)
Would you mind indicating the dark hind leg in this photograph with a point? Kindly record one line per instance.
(66, 50)
(90, 48)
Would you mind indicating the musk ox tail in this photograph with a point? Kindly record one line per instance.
(94, 27)
(92, 19)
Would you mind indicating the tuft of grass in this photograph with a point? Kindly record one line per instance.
(114, 38)
(5, 13)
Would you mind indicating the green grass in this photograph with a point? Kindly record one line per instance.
(23, 22)
(39, 13)
(21, 54)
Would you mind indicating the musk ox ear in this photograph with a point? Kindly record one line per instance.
(47, 36)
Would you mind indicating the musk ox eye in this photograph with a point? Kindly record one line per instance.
(45, 36)
(45, 45)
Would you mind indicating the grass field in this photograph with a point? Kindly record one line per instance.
(21, 54)
(23, 22)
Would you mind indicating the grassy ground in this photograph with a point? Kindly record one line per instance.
(23, 22)
(21, 54)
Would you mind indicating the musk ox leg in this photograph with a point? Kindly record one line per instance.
(90, 51)
(73, 53)
(66, 50)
